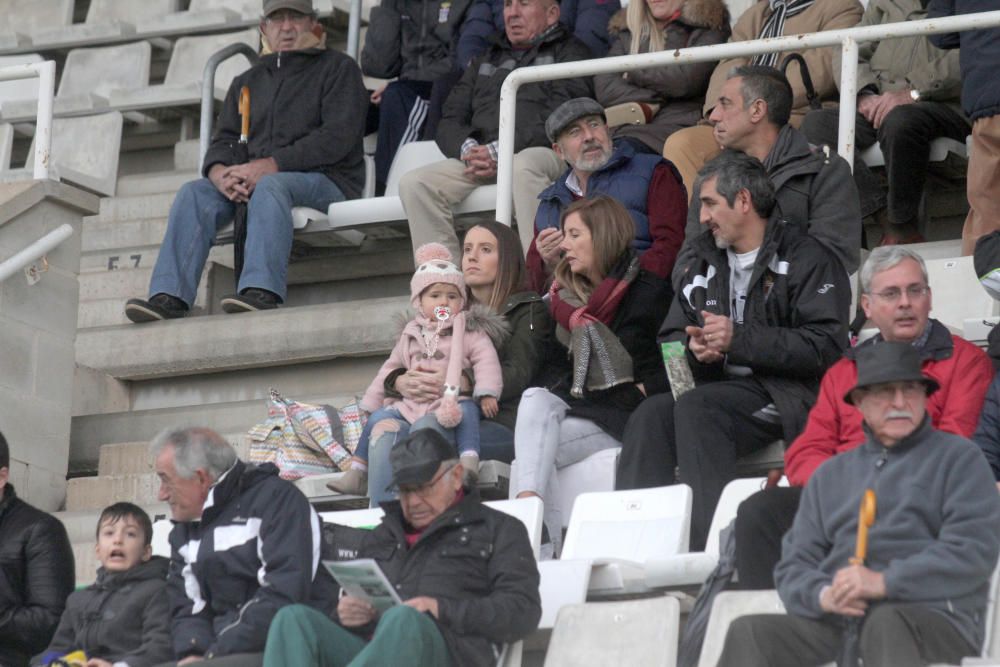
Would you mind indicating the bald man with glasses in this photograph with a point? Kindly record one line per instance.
(897, 299)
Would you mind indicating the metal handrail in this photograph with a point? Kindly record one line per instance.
(847, 39)
(354, 29)
(208, 90)
(46, 73)
(39, 248)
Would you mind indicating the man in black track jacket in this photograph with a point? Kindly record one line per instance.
(762, 311)
(244, 544)
(307, 110)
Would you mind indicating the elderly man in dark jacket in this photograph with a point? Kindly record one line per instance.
(470, 123)
(920, 589)
(244, 544)
(979, 59)
(307, 111)
(762, 309)
(36, 573)
(465, 573)
(813, 188)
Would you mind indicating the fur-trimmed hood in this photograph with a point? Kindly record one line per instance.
(711, 14)
(477, 318)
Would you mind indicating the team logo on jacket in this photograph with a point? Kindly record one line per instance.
(825, 288)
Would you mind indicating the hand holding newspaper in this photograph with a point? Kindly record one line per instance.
(364, 579)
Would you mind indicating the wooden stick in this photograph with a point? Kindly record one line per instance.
(866, 518)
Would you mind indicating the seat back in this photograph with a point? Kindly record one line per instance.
(594, 473)
(529, 511)
(735, 493)
(187, 63)
(29, 16)
(368, 518)
(129, 11)
(21, 89)
(6, 144)
(85, 150)
(245, 8)
(410, 156)
(958, 294)
(161, 537)
(106, 68)
(638, 525)
(636, 633)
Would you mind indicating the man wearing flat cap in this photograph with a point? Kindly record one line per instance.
(465, 572)
(307, 111)
(921, 592)
(647, 185)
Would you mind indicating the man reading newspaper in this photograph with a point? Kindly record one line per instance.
(465, 573)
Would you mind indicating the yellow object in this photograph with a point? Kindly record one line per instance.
(866, 518)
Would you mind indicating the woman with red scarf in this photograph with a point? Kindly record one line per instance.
(607, 312)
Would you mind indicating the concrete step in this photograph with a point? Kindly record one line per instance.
(85, 562)
(90, 432)
(122, 235)
(81, 525)
(95, 392)
(94, 493)
(141, 207)
(186, 154)
(103, 295)
(132, 458)
(227, 342)
(154, 183)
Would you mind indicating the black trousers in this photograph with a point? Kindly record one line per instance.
(892, 635)
(761, 522)
(905, 137)
(703, 434)
(402, 113)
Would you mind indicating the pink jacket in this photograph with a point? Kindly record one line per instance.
(410, 351)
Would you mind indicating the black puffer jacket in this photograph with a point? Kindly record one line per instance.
(979, 55)
(255, 550)
(813, 190)
(122, 617)
(36, 576)
(523, 354)
(795, 317)
(307, 111)
(473, 107)
(413, 39)
(475, 561)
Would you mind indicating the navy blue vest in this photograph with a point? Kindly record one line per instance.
(626, 177)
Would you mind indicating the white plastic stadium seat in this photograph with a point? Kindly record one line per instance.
(182, 84)
(636, 633)
(88, 79)
(107, 21)
(622, 532)
(20, 89)
(20, 20)
(940, 147)
(957, 294)
(161, 537)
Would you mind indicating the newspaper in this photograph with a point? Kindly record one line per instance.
(364, 579)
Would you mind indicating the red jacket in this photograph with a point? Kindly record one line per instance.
(962, 369)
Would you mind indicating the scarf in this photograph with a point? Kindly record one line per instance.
(774, 26)
(600, 361)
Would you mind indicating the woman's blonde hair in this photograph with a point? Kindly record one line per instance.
(643, 27)
(611, 232)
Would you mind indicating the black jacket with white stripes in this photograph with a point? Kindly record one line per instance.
(255, 550)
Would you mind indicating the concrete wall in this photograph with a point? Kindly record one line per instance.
(37, 335)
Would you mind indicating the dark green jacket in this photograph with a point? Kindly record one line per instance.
(522, 356)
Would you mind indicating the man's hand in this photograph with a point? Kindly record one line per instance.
(224, 182)
(852, 588)
(886, 102)
(489, 406)
(547, 242)
(250, 173)
(422, 385)
(354, 612)
(829, 604)
(479, 163)
(376, 97)
(718, 331)
(867, 105)
(424, 603)
(699, 347)
(191, 658)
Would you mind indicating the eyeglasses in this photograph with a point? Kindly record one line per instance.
(424, 490)
(887, 391)
(279, 17)
(894, 294)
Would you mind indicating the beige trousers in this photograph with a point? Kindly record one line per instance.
(430, 193)
(983, 183)
(689, 149)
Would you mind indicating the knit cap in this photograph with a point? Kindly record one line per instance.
(434, 265)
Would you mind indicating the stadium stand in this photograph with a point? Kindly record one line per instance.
(21, 20)
(107, 21)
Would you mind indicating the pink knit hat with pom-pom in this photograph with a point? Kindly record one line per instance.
(434, 265)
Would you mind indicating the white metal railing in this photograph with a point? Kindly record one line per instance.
(46, 73)
(39, 248)
(847, 39)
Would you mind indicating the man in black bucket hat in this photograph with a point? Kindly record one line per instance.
(465, 572)
(921, 591)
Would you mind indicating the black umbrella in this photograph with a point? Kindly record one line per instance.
(849, 656)
(241, 155)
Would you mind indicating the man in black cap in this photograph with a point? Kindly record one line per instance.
(647, 185)
(305, 149)
(465, 572)
(922, 587)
